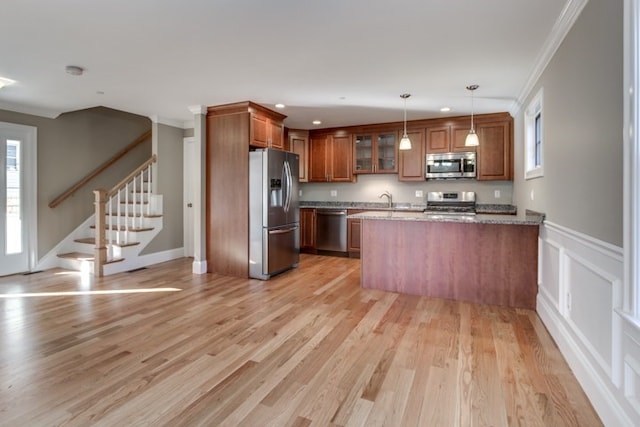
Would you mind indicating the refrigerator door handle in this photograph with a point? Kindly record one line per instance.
(287, 171)
(283, 230)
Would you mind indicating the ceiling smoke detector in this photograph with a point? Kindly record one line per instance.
(74, 70)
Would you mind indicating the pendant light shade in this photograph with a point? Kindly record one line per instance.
(405, 142)
(472, 138)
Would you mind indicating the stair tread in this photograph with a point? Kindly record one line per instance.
(85, 257)
(131, 215)
(92, 241)
(77, 255)
(122, 228)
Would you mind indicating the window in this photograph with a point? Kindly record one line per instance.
(12, 155)
(534, 139)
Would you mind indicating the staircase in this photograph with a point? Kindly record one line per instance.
(126, 219)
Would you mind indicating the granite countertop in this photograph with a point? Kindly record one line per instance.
(406, 207)
(365, 205)
(527, 218)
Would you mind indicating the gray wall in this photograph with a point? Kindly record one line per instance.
(582, 184)
(369, 187)
(71, 146)
(168, 145)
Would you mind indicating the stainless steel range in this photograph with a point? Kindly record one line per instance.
(451, 202)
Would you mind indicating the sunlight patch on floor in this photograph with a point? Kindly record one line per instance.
(75, 293)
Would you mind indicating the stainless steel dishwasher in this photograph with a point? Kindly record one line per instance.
(331, 230)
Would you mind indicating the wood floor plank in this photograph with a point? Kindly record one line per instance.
(164, 347)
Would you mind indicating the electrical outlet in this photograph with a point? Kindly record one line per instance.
(569, 301)
(299, 193)
(532, 196)
(496, 194)
(419, 193)
(334, 193)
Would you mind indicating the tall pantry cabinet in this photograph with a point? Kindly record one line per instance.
(231, 133)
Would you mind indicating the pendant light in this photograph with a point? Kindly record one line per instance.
(405, 142)
(472, 137)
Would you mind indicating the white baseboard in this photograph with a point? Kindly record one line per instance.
(199, 267)
(141, 261)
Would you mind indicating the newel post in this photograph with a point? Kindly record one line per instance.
(100, 255)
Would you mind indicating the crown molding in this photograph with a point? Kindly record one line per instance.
(166, 121)
(560, 29)
(31, 110)
(198, 109)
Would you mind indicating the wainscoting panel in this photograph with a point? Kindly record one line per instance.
(579, 296)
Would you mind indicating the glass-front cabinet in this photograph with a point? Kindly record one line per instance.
(376, 152)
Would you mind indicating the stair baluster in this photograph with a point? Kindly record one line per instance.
(102, 197)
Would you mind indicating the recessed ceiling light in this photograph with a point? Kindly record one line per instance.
(445, 109)
(317, 122)
(279, 105)
(74, 70)
(5, 82)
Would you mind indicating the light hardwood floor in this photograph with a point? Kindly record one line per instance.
(309, 347)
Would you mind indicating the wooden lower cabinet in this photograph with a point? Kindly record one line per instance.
(353, 233)
(307, 229)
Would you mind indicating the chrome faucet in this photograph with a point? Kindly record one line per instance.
(389, 198)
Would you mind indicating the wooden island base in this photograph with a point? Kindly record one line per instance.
(481, 263)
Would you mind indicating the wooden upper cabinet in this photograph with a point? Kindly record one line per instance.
(448, 137)
(495, 152)
(266, 131)
(341, 159)
(411, 163)
(299, 144)
(375, 152)
(318, 152)
(330, 158)
(276, 134)
(438, 139)
(459, 132)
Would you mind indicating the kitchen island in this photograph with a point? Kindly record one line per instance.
(487, 259)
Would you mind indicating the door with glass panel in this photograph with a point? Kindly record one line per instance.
(14, 250)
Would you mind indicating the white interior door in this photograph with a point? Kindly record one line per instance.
(189, 162)
(17, 198)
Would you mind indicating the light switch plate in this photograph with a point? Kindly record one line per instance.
(496, 194)
(419, 193)
(334, 193)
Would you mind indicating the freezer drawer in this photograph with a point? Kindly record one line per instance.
(283, 248)
(279, 251)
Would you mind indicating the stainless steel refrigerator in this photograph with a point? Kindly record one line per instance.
(274, 215)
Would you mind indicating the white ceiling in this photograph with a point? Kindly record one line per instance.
(340, 61)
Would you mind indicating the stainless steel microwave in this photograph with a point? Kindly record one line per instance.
(451, 165)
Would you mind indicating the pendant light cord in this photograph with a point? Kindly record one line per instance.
(472, 88)
(405, 117)
(472, 128)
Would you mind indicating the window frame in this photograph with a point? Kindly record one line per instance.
(630, 303)
(534, 137)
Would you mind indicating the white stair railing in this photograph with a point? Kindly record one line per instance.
(109, 231)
